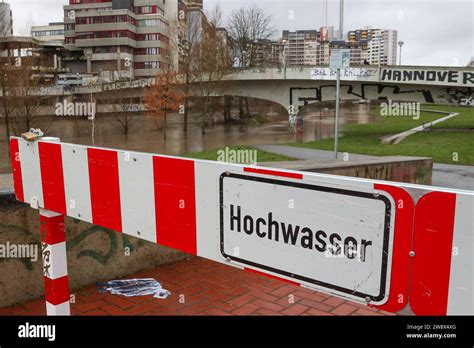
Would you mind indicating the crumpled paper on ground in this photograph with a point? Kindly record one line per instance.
(134, 287)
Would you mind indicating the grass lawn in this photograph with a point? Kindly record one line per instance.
(262, 156)
(454, 136)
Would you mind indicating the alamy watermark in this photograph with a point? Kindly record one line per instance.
(409, 109)
(19, 251)
(241, 156)
(67, 108)
(37, 331)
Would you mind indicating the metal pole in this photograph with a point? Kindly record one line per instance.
(336, 126)
(338, 83)
(341, 20)
(400, 44)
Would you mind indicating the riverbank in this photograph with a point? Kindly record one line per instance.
(449, 142)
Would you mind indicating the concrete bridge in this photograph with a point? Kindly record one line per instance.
(303, 85)
(297, 86)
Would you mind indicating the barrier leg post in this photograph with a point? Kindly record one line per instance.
(53, 247)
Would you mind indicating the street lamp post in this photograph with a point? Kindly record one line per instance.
(400, 44)
(338, 82)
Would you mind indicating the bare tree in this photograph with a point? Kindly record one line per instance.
(22, 96)
(5, 85)
(124, 110)
(6, 76)
(215, 16)
(189, 52)
(215, 66)
(248, 25)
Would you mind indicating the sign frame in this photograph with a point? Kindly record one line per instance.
(389, 231)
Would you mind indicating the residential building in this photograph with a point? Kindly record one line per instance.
(301, 46)
(6, 20)
(54, 32)
(308, 47)
(125, 36)
(381, 44)
(367, 46)
(267, 53)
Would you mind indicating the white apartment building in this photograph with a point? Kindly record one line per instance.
(382, 47)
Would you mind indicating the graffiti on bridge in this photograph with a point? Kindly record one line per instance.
(366, 91)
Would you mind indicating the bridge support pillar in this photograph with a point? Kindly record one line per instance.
(53, 248)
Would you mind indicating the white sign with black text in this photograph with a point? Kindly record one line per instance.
(333, 238)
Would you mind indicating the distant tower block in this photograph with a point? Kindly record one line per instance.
(6, 20)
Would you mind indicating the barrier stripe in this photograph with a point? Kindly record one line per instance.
(60, 309)
(433, 241)
(137, 195)
(31, 173)
(76, 182)
(105, 188)
(273, 172)
(52, 178)
(205, 188)
(52, 223)
(55, 277)
(56, 290)
(16, 169)
(402, 243)
(175, 203)
(461, 280)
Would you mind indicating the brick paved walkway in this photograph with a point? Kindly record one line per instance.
(209, 288)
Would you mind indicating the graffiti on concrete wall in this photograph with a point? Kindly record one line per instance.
(461, 96)
(371, 91)
(74, 244)
(346, 74)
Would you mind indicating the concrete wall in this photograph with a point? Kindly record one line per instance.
(94, 253)
(411, 170)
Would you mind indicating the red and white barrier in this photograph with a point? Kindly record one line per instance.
(53, 241)
(442, 273)
(226, 213)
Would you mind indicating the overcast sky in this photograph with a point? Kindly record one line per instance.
(435, 32)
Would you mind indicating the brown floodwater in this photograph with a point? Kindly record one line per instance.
(318, 123)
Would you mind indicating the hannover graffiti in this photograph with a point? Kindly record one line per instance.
(427, 76)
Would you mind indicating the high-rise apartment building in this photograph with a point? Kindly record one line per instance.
(301, 47)
(381, 44)
(6, 20)
(128, 36)
(367, 46)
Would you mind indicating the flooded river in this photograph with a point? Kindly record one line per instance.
(318, 124)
